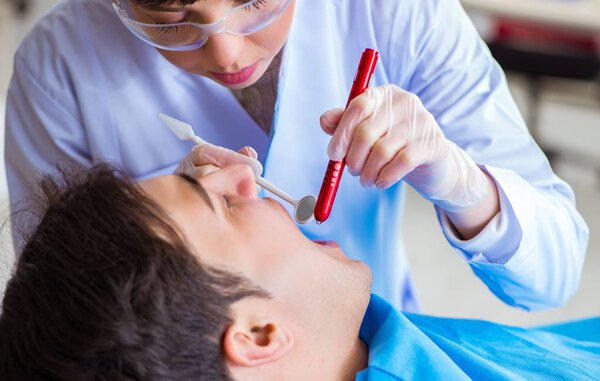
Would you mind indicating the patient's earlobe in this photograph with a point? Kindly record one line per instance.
(256, 345)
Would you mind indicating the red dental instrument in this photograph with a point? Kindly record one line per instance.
(333, 175)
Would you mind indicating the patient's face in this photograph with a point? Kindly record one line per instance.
(229, 226)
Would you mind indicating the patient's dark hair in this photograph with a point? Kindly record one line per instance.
(106, 289)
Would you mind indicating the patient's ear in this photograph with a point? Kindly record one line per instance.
(251, 344)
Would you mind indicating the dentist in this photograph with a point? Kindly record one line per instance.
(92, 75)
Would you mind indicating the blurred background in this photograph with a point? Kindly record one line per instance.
(550, 50)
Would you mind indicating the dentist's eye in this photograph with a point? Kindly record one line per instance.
(254, 4)
(182, 17)
(168, 29)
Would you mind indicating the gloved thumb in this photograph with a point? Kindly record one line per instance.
(222, 157)
(249, 151)
(331, 119)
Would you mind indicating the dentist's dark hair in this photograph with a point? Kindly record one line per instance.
(106, 289)
(164, 3)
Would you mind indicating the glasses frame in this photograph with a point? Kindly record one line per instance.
(215, 27)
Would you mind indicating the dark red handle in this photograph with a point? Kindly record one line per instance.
(333, 174)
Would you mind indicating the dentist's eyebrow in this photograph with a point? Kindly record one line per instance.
(164, 6)
(198, 188)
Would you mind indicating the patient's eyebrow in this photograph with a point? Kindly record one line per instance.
(198, 188)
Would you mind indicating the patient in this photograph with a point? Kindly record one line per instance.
(179, 278)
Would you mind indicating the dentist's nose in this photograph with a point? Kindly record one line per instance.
(224, 49)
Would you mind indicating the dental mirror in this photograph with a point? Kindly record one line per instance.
(303, 209)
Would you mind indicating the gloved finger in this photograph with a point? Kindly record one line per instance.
(366, 135)
(249, 151)
(222, 157)
(330, 120)
(395, 138)
(382, 154)
(203, 170)
(187, 167)
(358, 110)
(401, 165)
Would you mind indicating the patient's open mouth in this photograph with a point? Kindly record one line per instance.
(332, 249)
(327, 243)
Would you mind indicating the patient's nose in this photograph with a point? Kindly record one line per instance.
(239, 180)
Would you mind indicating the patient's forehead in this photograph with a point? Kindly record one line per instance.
(152, 183)
(164, 186)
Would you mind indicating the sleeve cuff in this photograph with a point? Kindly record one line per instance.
(498, 241)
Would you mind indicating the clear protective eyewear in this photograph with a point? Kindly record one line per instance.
(244, 19)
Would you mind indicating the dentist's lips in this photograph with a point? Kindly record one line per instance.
(235, 78)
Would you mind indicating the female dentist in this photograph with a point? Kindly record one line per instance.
(92, 75)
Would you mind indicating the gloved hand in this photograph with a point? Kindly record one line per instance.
(386, 135)
(207, 158)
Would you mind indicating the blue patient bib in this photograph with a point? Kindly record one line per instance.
(417, 347)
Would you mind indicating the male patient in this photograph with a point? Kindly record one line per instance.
(179, 278)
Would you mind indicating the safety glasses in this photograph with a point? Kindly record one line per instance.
(238, 17)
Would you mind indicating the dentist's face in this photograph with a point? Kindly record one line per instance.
(232, 60)
(228, 226)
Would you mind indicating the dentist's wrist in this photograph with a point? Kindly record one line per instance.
(471, 221)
